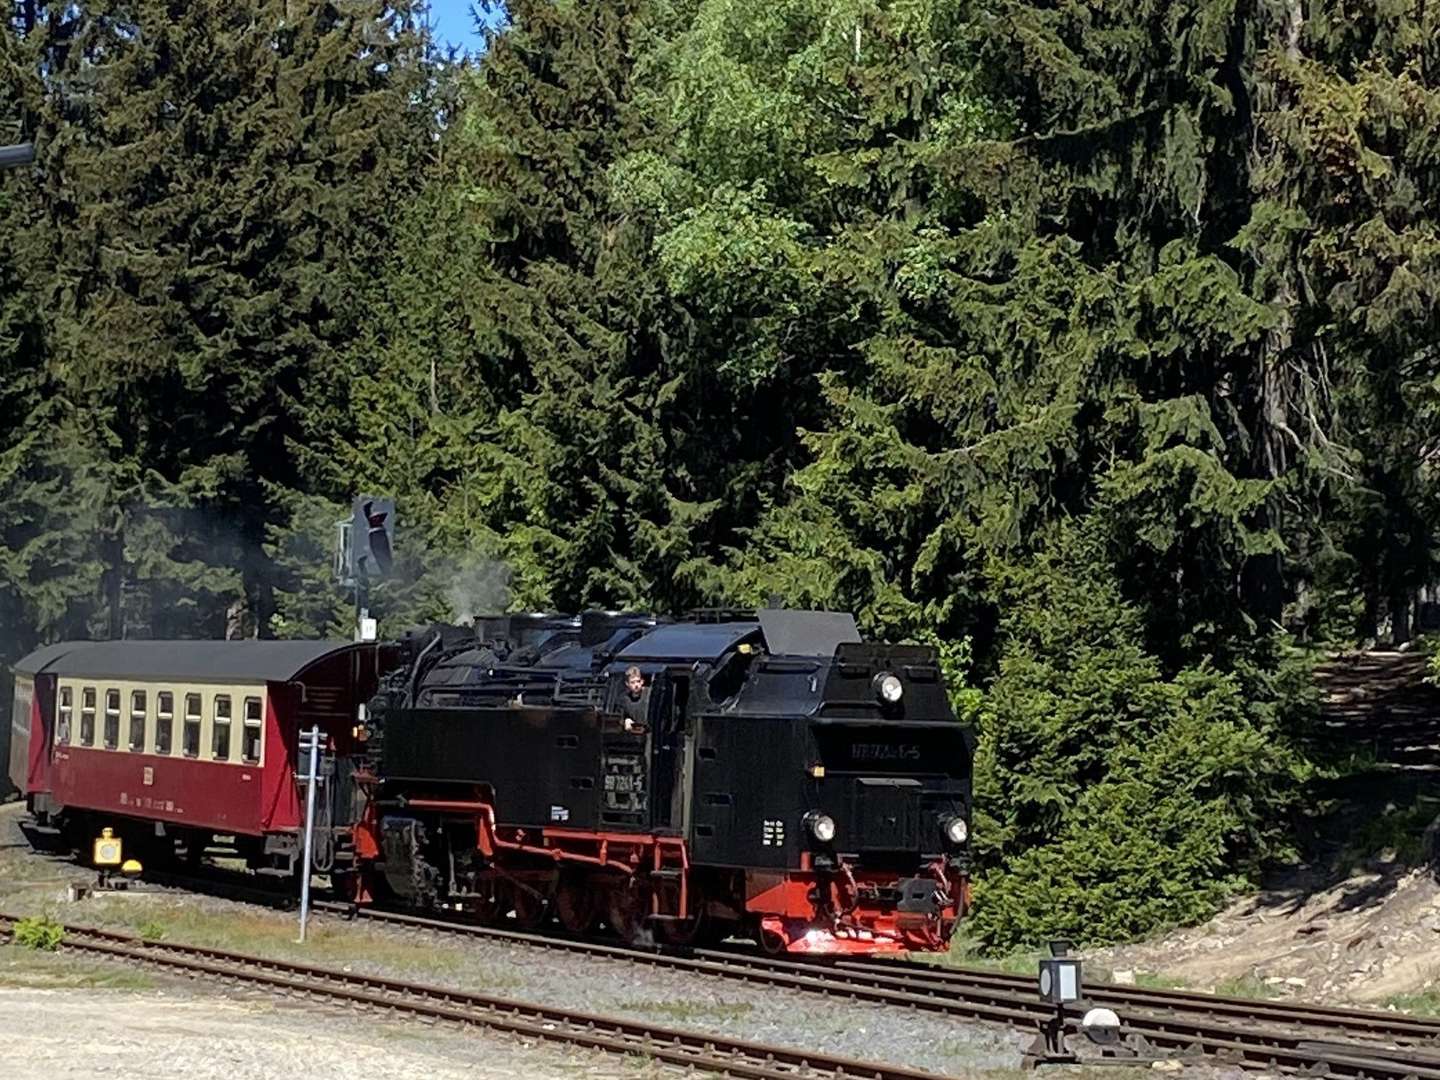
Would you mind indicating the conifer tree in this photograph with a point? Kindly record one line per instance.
(555, 427)
(222, 189)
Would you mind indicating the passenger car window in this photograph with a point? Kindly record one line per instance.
(164, 721)
(87, 716)
(190, 737)
(220, 729)
(250, 737)
(137, 719)
(66, 709)
(112, 719)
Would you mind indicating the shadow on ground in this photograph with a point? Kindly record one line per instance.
(1377, 744)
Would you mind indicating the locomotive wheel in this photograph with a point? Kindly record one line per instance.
(695, 930)
(692, 931)
(772, 943)
(488, 906)
(577, 903)
(625, 912)
(531, 908)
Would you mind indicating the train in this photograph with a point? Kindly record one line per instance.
(754, 773)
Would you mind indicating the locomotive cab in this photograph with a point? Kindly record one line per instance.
(861, 811)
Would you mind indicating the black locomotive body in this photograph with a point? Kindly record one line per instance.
(766, 773)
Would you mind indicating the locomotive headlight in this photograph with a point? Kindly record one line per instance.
(888, 687)
(822, 826)
(956, 831)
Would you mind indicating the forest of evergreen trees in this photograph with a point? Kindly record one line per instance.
(1094, 343)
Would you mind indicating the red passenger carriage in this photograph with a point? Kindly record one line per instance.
(182, 740)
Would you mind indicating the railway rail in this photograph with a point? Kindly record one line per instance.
(1335, 1042)
(1267, 1034)
(1354, 1022)
(701, 1051)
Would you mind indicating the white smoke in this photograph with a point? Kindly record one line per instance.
(479, 588)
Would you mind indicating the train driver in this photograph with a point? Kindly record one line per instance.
(635, 705)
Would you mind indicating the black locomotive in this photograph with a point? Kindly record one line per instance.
(756, 772)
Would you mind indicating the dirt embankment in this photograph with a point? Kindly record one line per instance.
(1367, 940)
(1359, 921)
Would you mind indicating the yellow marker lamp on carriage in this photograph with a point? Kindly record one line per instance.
(107, 849)
(889, 688)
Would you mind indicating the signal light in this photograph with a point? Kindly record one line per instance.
(372, 536)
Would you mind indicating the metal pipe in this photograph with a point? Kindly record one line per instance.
(313, 738)
(446, 806)
(415, 671)
(12, 157)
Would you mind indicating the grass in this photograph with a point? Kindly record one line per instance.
(967, 953)
(27, 969)
(1154, 980)
(964, 951)
(1421, 1003)
(1396, 834)
(690, 1011)
(156, 917)
(273, 935)
(1245, 986)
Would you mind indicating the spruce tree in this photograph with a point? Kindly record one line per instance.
(222, 190)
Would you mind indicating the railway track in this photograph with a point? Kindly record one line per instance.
(700, 1051)
(1335, 1042)
(1356, 1022)
(1277, 1035)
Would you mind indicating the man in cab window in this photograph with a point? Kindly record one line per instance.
(635, 703)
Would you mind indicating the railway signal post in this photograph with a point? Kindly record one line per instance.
(309, 741)
(364, 545)
(1059, 984)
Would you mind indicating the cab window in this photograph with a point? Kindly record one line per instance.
(87, 716)
(112, 719)
(66, 710)
(220, 729)
(190, 737)
(164, 721)
(137, 720)
(250, 738)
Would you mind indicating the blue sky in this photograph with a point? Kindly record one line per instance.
(454, 24)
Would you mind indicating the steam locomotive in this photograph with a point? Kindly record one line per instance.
(735, 772)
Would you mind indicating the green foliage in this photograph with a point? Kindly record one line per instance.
(1115, 799)
(152, 931)
(1246, 986)
(207, 212)
(1397, 834)
(1424, 1003)
(39, 932)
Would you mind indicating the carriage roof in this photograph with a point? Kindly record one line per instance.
(234, 661)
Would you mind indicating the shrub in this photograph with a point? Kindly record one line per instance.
(39, 933)
(1114, 800)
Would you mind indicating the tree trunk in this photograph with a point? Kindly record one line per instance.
(1399, 617)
